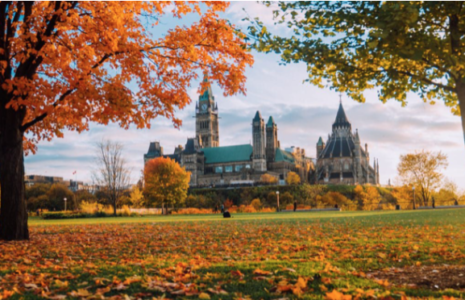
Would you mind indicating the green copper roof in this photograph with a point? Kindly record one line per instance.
(228, 154)
(207, 94)
(258, 116)
(270, 122)
(320, 142)
(282, 155)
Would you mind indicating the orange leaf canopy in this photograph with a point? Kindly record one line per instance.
(71, 63)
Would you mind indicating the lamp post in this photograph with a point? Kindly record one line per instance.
(413, 188)
(277, 201)
(65, 202)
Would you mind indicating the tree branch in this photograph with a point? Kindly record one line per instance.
(426, 80)
(3, 14)
(42, 116)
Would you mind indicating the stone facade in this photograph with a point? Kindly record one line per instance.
(342, 159)
(212, 165)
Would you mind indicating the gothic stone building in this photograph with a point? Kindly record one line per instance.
(211, 164)
(342, 159)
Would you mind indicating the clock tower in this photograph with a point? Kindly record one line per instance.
(206, 118)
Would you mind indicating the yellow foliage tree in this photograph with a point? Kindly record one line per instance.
(422, 169)
(373, 198)
(267, 178)
(403, 196)
(136, 197)
(360, 197)
(166, 182)
(447, 194)
(331, 199)
(257, 205)
(292, 178)
(367, 198)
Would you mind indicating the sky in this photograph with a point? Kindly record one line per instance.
(302, 112)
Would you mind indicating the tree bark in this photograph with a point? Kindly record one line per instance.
(13, 213)
(461, 97)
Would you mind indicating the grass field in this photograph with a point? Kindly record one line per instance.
(307, 255)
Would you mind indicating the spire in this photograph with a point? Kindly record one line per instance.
(341, 118)
(258, 116)
(270, 122)
(320, 142)
(207, 93)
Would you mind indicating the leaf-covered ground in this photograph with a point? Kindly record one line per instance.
(268, 256)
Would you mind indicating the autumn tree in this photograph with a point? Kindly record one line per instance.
(271, 199)
(292, 178)
(66, 64)
(256, 204)
(166, 182)
(422, 169)
(286, 198)
(310, 193)
(360, 196)
(403, 196)
(373, 198)
(56, 195)
(447, 193)
(268, 179)
(111, 171)
(332, 199)
(36, 196)
(136, 197)
(367, 198)
(84, 195)
(396, 47)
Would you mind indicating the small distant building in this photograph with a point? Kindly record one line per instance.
(342, 159)
(72, 185)
(30, 180)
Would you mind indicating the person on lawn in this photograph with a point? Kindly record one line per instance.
(226, 214)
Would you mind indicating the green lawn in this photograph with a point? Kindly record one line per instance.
(306, 255)
(418, 216)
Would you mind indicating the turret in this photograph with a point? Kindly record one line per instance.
(320, 146)
(341, 124)
(178, 150)
(358, 159)
(271, 140)
(258, 133)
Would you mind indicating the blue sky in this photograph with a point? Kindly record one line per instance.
(303, 113)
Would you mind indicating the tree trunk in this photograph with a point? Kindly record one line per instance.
(461, 96)
(13, 213)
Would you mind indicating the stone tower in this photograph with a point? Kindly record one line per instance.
(271, 140)
(320, 146)
(206, 116)
(258, 133)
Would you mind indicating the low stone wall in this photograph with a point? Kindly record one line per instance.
(442, 207)
(313, 210)
(146, 211)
